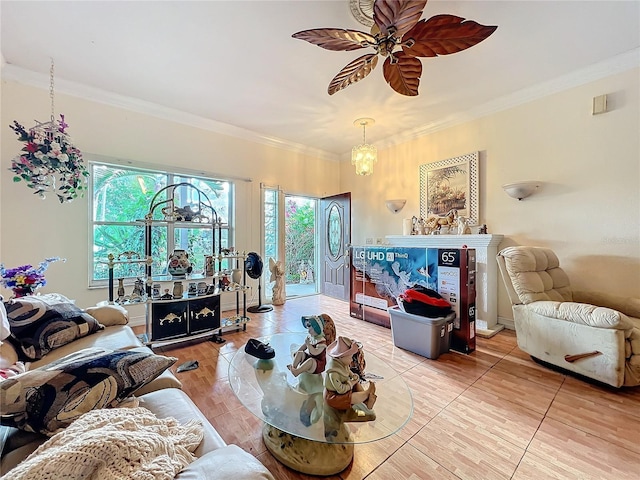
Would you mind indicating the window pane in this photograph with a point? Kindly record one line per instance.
(121, 198)
(159, 249)
(216, 191)
(115, 239)
(122, 195)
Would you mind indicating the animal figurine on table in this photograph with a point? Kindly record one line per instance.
(277, 276)
(436, 222)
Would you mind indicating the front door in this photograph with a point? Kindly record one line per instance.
(335, 243)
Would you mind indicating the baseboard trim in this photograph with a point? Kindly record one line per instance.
(507, 322)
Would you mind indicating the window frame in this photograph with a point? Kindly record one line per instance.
(170, 175)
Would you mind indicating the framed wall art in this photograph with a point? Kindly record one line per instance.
(450, 184)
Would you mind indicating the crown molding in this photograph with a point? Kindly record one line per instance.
(614, 65)
(618, 64)
(74, 89)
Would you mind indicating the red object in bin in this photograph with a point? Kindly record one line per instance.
(424, 302)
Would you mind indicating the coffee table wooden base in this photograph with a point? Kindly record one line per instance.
(307, 456)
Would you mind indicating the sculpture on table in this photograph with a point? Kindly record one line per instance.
(343, 386)
(277, 275)
(311, 356)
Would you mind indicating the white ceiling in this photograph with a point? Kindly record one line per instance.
(232, 66)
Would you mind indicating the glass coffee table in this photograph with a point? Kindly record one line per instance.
(301, 430)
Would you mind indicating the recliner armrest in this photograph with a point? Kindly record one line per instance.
(582, 313)
(628, 305)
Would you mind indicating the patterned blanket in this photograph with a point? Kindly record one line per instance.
(117, 443)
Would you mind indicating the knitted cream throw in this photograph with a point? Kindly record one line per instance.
(110, 444)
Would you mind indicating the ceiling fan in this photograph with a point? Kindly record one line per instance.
(398, 34)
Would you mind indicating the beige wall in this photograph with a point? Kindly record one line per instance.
(588, 208)
(33, 229)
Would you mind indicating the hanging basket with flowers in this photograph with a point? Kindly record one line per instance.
(49, 162)
(25, 279)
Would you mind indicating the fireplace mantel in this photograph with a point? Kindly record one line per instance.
(486, 247)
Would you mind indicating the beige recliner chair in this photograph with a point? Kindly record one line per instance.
(592, 334)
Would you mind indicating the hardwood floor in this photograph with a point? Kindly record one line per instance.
(493, 414)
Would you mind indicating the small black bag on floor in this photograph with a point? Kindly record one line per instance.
(422, 301)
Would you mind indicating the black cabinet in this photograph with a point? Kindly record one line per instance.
(180, 318)
(204, 314)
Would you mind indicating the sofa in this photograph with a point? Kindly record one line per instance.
(103, 340)
(592, 334)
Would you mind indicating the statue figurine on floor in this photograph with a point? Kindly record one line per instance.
(277, 275)
(311, 356)
(343, 376)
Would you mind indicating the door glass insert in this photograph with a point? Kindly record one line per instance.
(334, 231)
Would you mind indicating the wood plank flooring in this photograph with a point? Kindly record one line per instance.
(493, 414)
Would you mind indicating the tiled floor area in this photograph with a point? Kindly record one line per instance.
(494, 414)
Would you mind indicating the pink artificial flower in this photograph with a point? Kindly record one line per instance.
(62, 124)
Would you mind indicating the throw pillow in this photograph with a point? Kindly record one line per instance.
(40, 325)
(224, 463)
(47, 399)
(109, 315)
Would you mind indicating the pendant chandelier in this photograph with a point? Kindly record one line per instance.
(364, 156)
(49, 162)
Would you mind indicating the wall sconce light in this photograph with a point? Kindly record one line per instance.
(364, 156)
(396, 205)
(520, 190)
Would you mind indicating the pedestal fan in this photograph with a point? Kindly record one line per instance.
(253, 266)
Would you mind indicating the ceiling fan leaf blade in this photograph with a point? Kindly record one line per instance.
(444, 35)
(353, 72)
(337, 39)
(402, 15)
(403, 74)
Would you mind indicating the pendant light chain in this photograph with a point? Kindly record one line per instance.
(364, 133)
(51, 91)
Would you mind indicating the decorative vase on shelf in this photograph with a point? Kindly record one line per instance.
(178, 289)
(236, 275)
(208, 265)
(179, 264)
(120, 288)
(23, 291)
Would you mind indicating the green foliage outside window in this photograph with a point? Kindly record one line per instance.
(299, 236)
(121, 199)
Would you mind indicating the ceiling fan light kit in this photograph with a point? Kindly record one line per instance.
(399, 35)
(363, 156)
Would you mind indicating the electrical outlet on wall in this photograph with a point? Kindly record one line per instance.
(369, 241)
(378, 241)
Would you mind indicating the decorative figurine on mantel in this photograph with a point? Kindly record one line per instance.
(436, 222)
(463, 226)
(343, 387)
(311, 356)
